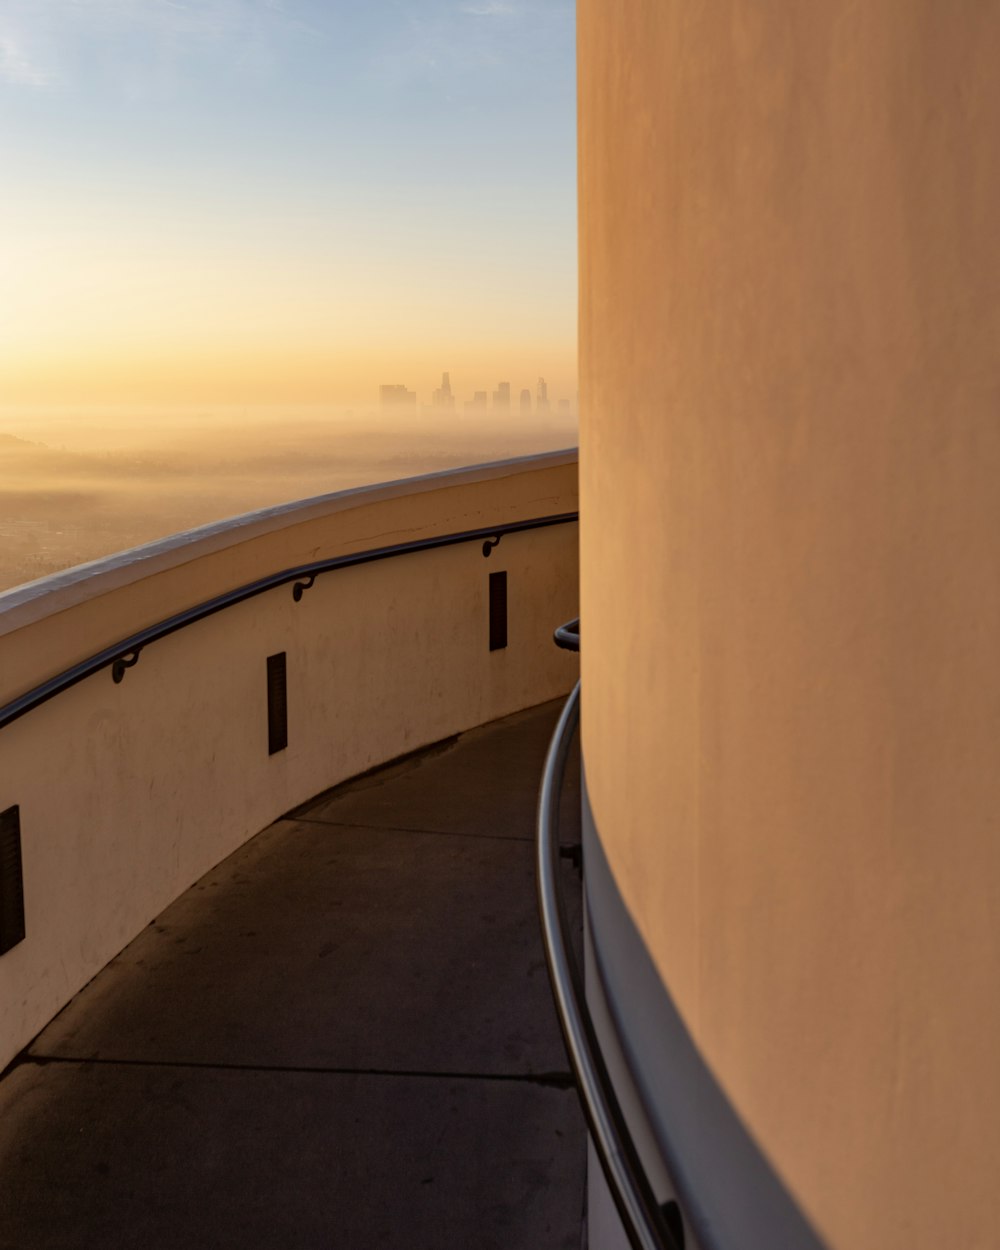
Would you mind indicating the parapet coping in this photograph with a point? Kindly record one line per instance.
(46, 596)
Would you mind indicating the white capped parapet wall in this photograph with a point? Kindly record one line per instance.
(128, 792)
(790, 581)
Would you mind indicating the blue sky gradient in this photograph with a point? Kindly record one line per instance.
(351, 191)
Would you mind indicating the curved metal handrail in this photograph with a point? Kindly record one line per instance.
(643, 1220)
(568, 636)
(124, 654)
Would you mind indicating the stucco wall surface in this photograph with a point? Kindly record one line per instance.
(128, 793)
(790, 548)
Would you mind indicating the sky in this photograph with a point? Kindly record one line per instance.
(284, 201)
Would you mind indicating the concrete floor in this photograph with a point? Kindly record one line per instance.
(342, 1036)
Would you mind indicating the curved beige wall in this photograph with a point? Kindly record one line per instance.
(790, 487)
(128, 793)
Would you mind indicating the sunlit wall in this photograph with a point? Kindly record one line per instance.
(790, 457)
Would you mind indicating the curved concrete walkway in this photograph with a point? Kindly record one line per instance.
(342, 1036)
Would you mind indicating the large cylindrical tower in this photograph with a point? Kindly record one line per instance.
(790, 563)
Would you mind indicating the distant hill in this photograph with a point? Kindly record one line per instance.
(25, 459)
(21, 459)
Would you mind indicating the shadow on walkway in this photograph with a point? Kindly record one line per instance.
(342, 1036)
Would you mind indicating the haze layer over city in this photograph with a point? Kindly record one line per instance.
(77, 485)
(242, 241)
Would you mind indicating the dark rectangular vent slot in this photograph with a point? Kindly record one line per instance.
(11, 880)
(277, 704)
(498, 611)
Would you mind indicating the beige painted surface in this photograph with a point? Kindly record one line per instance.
(73, 614)
(790, 486)
(128, 793)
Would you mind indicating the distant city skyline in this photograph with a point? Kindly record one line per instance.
(398, 395)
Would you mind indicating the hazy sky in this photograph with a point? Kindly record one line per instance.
(284, 200)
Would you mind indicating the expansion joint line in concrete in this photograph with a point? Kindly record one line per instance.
(438, 833)
(557, 1080)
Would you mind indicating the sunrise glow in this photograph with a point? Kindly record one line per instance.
(256, 202)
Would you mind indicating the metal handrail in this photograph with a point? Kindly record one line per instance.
(568, 636)
(124, 654)
(644, 1221)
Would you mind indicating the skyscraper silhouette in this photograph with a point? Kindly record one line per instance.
(442, 396)
(396, 396)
